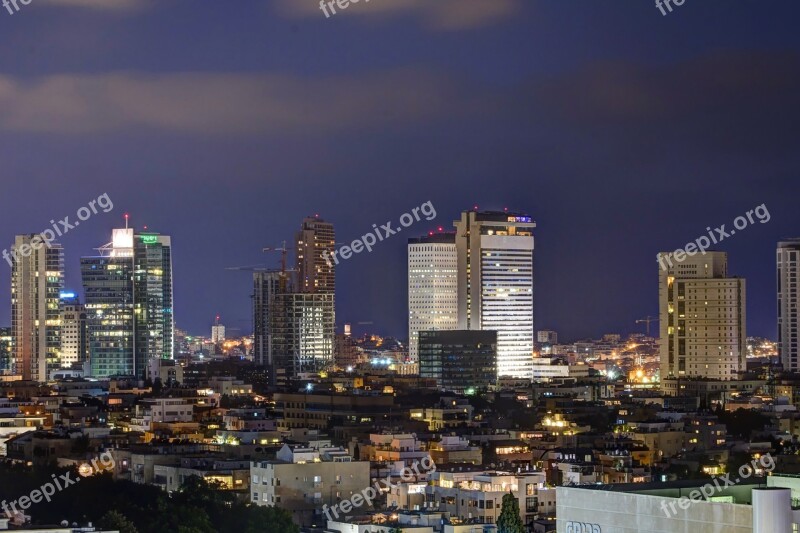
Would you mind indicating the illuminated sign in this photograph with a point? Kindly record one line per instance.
(149, 239)
(519, 219)
(580, 527)
(66, 295)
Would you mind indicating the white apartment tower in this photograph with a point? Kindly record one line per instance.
(788, 262)
(702, 318)
(495, 284)
(432, 287)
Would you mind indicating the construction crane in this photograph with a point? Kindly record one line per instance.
(283, 250)
(647, 321)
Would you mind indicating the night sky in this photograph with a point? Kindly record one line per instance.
(622, 132)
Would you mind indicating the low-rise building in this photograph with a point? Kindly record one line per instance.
(303, 479)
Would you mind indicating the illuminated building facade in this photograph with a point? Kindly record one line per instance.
(432, 287)
(788, 263)
(294, 315)
(303, 339)
(314, 273)
(128, 290)
(495, 284)
(702, 319)
(37, 279)
(460, 360)
(6, 350)
(74, 345)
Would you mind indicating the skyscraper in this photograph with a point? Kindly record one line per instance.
(294, 316)
(701, 318)
(495, 284)
(155, 321)
(314, 273)
(788, 262)
(432, 287)
(37, 279)
(128, 290)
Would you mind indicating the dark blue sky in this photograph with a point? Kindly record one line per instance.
(621, 131)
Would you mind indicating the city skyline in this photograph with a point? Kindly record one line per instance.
(661, 259)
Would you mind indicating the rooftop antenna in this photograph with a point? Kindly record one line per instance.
(126, 220)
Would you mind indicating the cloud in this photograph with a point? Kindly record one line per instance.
(100, 5)
(446, 15)
(724, 101)
(210, 103)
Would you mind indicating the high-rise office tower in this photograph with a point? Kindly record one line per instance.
(37, 279)
(128, 290)
(155, 321)
(701, 318)
(74, 345)
(495, 284)
(459, 360)
(788, 262)
(314, 273)
(432, 287)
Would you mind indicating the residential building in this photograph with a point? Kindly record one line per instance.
(37, 280)
(495, 288)
(448, 413)
(229, 474)
(478, 495)
(432, 287)
(217, 332)
(74, 345)
(303, 479)
(316, 271)
(702, 318)
(320, 410)
(788, 263)
(168, 371)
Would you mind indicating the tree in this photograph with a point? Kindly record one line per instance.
(509, 520)
(114, 520)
